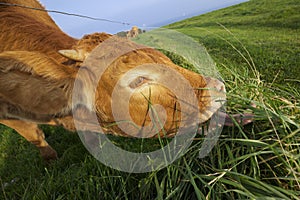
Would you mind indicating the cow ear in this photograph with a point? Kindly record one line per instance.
(77, 55)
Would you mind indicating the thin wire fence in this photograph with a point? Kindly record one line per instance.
(64, 13)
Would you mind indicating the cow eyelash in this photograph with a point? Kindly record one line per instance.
(139, 81)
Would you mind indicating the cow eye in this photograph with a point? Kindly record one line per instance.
(137, 82)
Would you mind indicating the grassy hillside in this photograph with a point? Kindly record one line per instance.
(256, 48)
(269, 30)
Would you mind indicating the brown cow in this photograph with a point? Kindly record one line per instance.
(36, 81)
(31, 30)
(134, 32)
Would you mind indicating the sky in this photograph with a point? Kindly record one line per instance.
(141, 13)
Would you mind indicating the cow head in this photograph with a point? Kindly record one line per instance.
(139, 91)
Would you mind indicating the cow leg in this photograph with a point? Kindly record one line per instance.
(67, 122)
(32, 133)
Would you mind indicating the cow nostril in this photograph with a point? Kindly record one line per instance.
(221, 88)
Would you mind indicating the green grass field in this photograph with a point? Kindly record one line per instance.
(256, 47)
